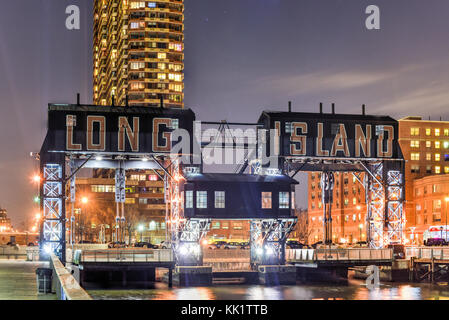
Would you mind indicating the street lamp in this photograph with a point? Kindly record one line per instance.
(140, 228)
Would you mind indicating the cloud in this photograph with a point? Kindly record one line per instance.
(331, 80)
(433, 101)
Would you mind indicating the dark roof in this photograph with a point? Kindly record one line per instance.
(324, 116)
(239, 178)
(117, 109)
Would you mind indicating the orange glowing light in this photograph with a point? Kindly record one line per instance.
(37, 178)
(84, 200)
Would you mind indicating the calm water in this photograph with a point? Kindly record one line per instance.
(355, 290)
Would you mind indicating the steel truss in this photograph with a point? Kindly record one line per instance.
(384, 190)
(327, 188)
(53, 209)
(186, 233)
(268, 237)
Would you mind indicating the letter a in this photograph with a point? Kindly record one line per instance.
(373, 20)
(73, 20)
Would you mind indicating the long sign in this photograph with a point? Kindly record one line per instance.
(74, 128)
(332, 135)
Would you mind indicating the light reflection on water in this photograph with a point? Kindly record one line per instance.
(355, 290)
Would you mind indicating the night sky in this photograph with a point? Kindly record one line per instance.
(241, 57)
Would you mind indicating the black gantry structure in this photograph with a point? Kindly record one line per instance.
(280, 145)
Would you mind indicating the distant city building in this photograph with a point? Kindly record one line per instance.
(144, 205)
(5, 222)
(139, 52)
(348, 209)
(425, 145)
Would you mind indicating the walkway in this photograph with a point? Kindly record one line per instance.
(18, 280)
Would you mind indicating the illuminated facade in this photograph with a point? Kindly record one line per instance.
(431, 200)
(139, 52)
(144, 204)
(425, 144)
(5, 222)
(348, 209)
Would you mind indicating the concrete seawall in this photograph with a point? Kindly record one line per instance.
(64, 284)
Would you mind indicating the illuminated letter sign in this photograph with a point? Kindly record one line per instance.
(132, 135)
(380, 130)
(319, 142)
(70, 124)
(166, 136)
(363, 140)
(91, 120)
(295, 137)
(340, 142)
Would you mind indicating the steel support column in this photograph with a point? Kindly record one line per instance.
(52, 201)
(268, 237)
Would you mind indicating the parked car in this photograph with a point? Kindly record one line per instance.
(217, 245)
(116, 245)
(360, 244)
(232, 245)
(145, 245)
(245, 246)
(294, 245)
(398, 250)
(164, 245)
(435, 242)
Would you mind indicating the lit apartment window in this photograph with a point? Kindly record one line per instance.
(201, 199)
(414, 144)
(189, 199)
(354, 200)
(266, 200)
(414, 131)
(428, 156)
(414, 169)
(284, 200)
(446, 132)
(437, 132)
(446, 170)
(437, 169)
(346, 201)
(415, 156)
(216, 225)
(428, 144)
(437, 157)
(428, 132)
(219, 199)
(429, 169)
(437, 144)
(320, 205)
(446, 144)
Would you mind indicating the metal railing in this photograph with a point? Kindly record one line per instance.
(221, 255)
(123, 255)
(427, 253)
(352, 254)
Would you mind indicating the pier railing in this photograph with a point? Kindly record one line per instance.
(122, 256)
(350, 254)
(427, 253)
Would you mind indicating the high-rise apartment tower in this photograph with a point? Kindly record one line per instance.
(138, 53)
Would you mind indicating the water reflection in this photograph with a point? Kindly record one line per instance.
(354, 290)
